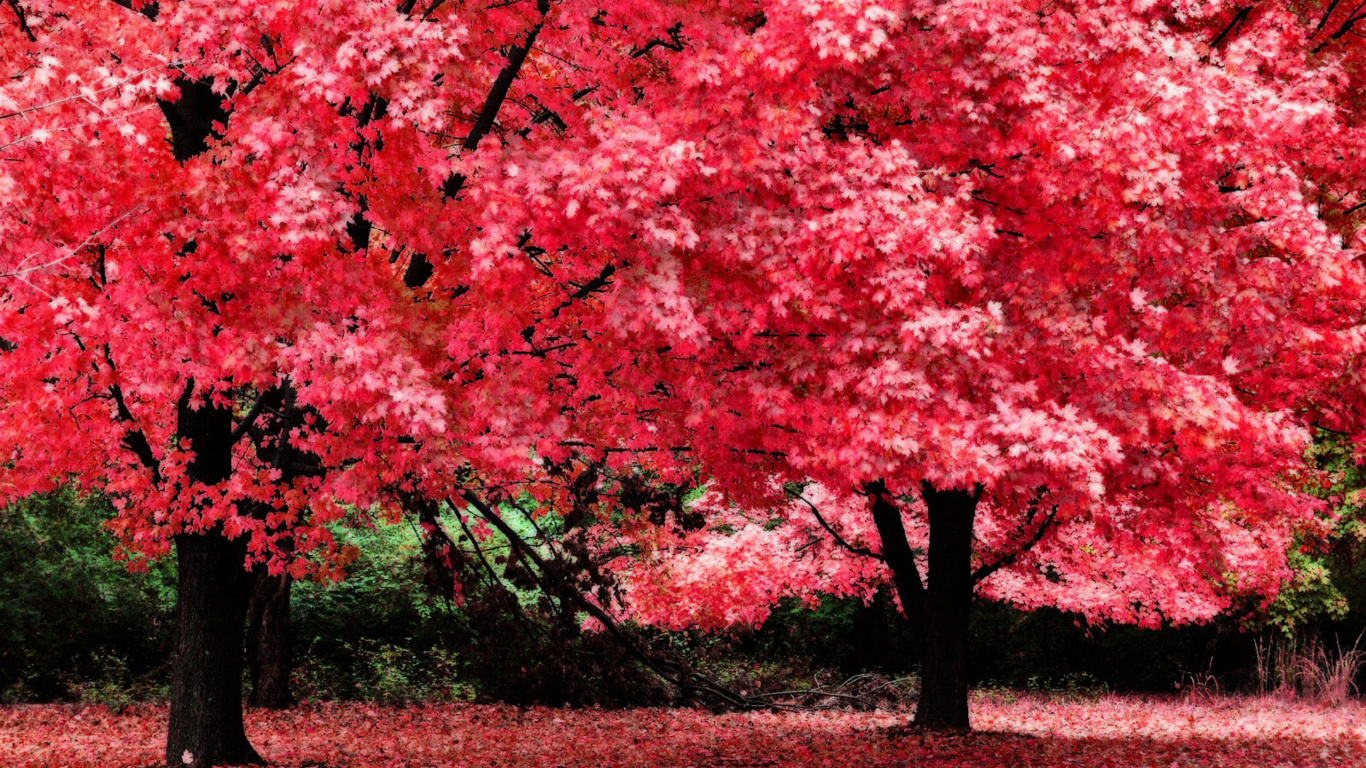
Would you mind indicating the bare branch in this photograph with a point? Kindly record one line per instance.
(835, 534)
(1012, 557)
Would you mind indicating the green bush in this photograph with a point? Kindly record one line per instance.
(76, 625)
(377, 634)
(73, 622)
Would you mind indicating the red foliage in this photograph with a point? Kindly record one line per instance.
(1099, 259)
(1033, 731)
(1106, 249)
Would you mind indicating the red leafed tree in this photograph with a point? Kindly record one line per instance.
(266, 268)
(1051, 326)
(269, 262)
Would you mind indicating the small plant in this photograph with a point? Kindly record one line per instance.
(1200, 686)
(377, 671)
(110, 684)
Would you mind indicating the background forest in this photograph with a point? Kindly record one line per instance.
(77, 625)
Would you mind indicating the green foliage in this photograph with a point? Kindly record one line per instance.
(381, 634)
(1329, 583)
(380, 598)
(376, 635)
(382, 671)
(73, 622)
(1311, 594)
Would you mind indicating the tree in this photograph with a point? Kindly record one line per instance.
(1100, 276)
(246, 290)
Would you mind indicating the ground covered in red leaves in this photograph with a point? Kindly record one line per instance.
(1023, 732)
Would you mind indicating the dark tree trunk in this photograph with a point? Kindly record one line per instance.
(211, 608)
(268, 646)
(268, 659)
(206, 679)
(943, 605)
(943, 701)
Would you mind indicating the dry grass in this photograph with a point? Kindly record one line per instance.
(1309, 670)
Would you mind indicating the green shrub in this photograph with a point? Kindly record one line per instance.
(73, 622)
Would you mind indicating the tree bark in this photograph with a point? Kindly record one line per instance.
(206, 679)
(943, 605)
(213, 585)
(211, 607)
(268, 648)
(943, 703)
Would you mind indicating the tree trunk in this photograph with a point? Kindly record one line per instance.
(943, 605)
(943, 701)
(211, 608)
(268, 659)
(206, 679)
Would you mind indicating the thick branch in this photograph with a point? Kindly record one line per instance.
(271, 398)
(1353, 17)
(23, 19)
(896, 550)
(150, 10)
(1327, 13)
(497, 95)
(1238, 18)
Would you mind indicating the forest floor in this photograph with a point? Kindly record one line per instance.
(1013, 731)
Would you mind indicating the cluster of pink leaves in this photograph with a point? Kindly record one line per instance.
(710, 580)
(1083, 250)
(738, 568)
(1072, 284)
(1031, 731)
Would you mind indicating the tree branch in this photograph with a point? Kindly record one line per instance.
(1238, 18)
(23, 20)
(670, 671)
(1327, 13)
(896, 550)
(835, 534)
(134, 439)
(494, 102)
(1354, 16)
(271, 398)
(150, 9)
(1011, 558)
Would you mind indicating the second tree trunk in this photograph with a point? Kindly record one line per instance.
(942, 604)
(943, 701)
(268, 660)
